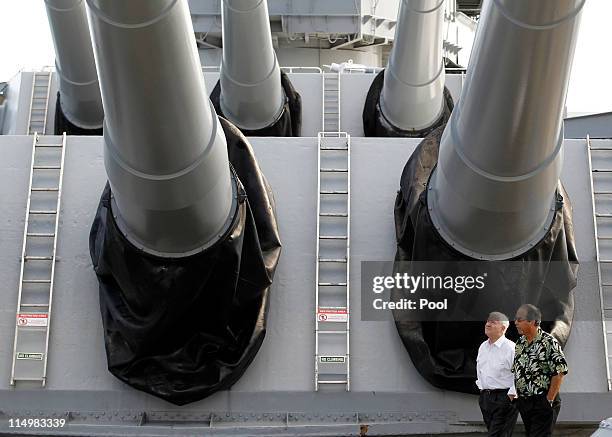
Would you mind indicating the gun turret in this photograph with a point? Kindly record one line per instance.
(79, 105)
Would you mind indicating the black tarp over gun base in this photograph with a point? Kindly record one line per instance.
(444, 352)
(184, 328)
(376, 125)
(289, 124)
(62, 124)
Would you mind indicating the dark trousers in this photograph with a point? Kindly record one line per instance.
(538, 416)
(498, 412)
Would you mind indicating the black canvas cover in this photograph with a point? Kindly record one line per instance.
(62, 124)
(444, 352)
(289, 123)
(184, 328)
(376, 125)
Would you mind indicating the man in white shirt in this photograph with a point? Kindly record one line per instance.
(495, 377)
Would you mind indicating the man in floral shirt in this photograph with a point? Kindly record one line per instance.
(539, 367)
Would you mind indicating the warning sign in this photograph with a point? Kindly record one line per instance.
(332, 359)
(32, 319)
(332, 315)
(29, 356)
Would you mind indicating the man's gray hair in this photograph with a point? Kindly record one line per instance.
(496, 316)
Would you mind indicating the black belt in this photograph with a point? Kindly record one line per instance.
(495, 390)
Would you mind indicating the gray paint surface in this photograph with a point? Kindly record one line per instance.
(594, 125)
(281, 376)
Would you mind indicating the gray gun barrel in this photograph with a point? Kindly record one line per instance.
(412, 97)
(74, 62)
(165, 152)
(251, 93)
(492, 195)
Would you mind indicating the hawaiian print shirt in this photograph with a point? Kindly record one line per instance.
(536, 363)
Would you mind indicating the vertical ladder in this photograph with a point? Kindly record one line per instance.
(600, 165)
(331, 102)
(39, 102)
(332, 319)
(38, 256)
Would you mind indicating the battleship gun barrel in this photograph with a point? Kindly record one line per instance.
(412, 97)
(492, 195)
(251, 93)
(80, 100)
(165, 152)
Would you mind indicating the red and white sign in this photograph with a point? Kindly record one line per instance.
(332, 315)
(32, 319)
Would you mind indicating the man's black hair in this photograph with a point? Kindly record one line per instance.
(532, 313)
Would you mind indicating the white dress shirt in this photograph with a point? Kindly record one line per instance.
(494, 365)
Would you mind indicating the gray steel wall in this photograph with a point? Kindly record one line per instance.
(281, 376)
(595, 126)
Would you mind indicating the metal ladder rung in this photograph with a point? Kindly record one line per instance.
(29, 379)
(332, 332)
(332, 260)
(40, 235)
(47, 167)
(43, 189)
(332, 284)
(339, 381)
(43, 212)
(332, 237)
(333, 214)
(49, 145)
(36, 281)
(332, 192)
(334, 148)
(334, 170)
(35, 305)
(37, 258)
(602, 170)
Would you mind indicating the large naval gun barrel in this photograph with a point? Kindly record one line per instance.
(492, 194)
(184, 241)
(79, 105)
(168, 169)
(409, 96)
(487, 190)
(253, 93)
